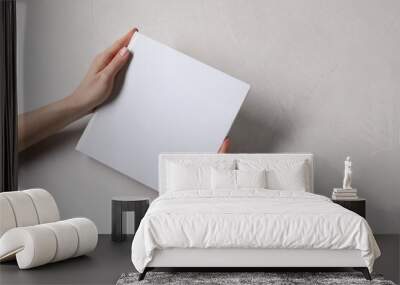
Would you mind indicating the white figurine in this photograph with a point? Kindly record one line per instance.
(347, 174)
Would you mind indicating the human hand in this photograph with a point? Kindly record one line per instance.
(98, 83)
(226, 145)
(94, 90)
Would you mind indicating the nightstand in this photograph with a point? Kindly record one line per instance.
(357, 205)
(121, 204)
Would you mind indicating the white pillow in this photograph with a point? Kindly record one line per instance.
(251, 178)
(237, 179)
(223, 179)
(187, 177)
(289, 179)
(189, 174)
(281, 174)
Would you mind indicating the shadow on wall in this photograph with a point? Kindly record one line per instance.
(379, 173)
(252, 135)
(53, 144)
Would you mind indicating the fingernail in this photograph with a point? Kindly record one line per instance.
(123, 51)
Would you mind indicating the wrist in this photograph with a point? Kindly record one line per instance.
(75, 103)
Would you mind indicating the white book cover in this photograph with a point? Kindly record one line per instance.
(341, 190)
(169, 102)
(345, 198)
(335, 197)
(345, 194)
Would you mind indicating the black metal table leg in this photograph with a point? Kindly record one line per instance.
(140, 210)
(116, 216)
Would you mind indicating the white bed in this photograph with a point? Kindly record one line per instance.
(205, 226)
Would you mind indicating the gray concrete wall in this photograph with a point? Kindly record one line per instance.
(324, 76)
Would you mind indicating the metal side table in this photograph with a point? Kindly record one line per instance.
(121, 204)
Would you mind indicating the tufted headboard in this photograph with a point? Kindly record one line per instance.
(164, 158)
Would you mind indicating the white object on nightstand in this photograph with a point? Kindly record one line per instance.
(347, 192)
(344, 194)
(347, 173)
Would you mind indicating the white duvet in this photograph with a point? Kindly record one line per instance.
(250, 219)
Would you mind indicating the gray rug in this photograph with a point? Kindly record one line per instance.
(231, 278)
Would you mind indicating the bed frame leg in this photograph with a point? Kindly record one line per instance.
(143, 274)
(364, 271)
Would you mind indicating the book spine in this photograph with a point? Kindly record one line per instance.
(345, 198)
(336, 190)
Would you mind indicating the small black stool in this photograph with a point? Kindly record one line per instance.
(121, 204)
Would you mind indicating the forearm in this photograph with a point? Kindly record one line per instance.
(36, 125)
(94, 90)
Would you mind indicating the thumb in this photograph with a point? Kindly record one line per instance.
(116, 64)
(225, 146)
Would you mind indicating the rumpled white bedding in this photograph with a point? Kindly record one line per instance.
(250, 218)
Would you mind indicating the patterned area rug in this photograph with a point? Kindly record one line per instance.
(230, 278)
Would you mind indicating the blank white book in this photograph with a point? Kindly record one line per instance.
(169, 102)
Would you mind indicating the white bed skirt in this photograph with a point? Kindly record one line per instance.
(235, 257)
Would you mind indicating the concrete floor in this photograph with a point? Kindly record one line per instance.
(103, 266)
(110, 260)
